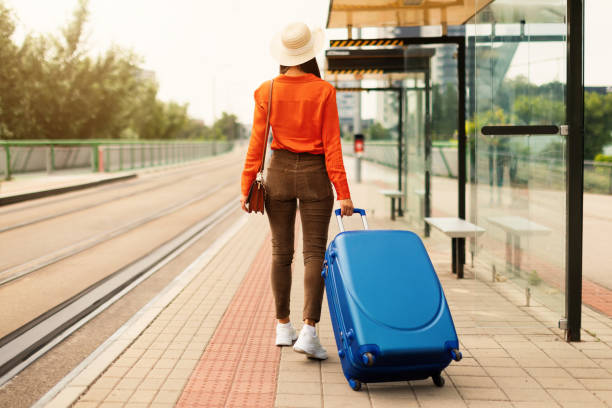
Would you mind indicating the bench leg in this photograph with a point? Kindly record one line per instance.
(392, 209)
(400, 212)
(517, 254)
(457, 258)
(454, 254)
(508, 252)
(423, 215)
(460, 257)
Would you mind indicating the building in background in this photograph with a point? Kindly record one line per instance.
(347, 105)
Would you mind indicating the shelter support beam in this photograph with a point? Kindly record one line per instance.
(575, 161)
(462, 142)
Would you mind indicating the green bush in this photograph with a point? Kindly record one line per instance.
(603, 158)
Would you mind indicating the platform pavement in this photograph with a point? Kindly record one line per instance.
(209, 347)
(37, 185)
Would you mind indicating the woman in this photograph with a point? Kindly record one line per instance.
(307, 155)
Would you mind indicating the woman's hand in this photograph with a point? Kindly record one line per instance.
(243, 203)
(346, 207)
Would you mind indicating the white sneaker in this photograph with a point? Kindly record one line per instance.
(285, 335)
(310, 345)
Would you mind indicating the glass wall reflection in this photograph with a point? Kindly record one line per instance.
(517, 57)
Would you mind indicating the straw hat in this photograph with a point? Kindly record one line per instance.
(296, 44)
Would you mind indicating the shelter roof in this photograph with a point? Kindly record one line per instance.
(378, 13)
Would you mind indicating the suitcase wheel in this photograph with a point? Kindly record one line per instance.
(355, 384)
(456, 355)
(367, 359)
(438, 380)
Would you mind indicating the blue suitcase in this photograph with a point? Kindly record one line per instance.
(389, 314)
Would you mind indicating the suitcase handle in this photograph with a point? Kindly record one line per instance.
(355, 210)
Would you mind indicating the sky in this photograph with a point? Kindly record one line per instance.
(212, 55)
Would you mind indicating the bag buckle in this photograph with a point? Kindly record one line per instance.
(259, 177)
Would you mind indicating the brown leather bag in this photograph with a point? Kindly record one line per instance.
(255, 201)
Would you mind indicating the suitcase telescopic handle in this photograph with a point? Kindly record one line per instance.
(355, 210)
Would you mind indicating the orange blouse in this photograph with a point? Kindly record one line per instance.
(304, 119)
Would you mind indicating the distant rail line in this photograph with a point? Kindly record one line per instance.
(97, 191)
(26, 268)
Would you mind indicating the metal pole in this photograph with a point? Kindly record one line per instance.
(120, 156)
(400, 156)
(7, 150)
(52, 158)
(575, 170)
(357, 115)
(48, 159)
(471, 114)
(461, 160)
(107, 163)
(428, 143)
(94, 157)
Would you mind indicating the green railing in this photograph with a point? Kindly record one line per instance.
(23, 156)
(544, 172)
(444, 155)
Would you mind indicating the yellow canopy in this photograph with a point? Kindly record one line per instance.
(394, 13)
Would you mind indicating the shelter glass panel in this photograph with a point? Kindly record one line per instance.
(415, 140)
(517, 192)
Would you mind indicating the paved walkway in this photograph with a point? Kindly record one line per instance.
(209, 342)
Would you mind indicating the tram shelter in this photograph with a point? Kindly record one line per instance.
(500, 149)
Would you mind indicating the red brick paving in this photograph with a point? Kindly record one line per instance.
(593, 295)
(597, 297)
(239, 367)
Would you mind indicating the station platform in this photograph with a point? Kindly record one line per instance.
(207, 340)
(30, 186)
(24, 187)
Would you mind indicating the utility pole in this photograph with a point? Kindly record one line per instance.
(357, 115)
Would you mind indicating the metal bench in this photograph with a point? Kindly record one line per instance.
(456, 229)
(515, 227)
(393, 194)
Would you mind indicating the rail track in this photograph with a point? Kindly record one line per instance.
(11, 274)
(29, 341)
(22, 347)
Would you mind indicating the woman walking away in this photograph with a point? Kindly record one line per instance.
(306, 156)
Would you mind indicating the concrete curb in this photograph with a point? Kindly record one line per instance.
(17, 198)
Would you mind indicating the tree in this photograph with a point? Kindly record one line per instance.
(226, 127)
(376, 131)
(52, 87)
(195, 129)
(11, 94)
(444, 112)
(538, 110)
(597, 123)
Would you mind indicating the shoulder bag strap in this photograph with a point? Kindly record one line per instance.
(267, 133)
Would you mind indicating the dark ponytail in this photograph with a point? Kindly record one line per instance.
(308, 67)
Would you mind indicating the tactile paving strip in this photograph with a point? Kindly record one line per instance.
(240, 364)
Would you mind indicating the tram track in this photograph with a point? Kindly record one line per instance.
(100, 203)
(24, 345)
(14, 273)
(97, 246)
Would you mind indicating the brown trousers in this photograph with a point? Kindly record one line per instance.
(292, 178)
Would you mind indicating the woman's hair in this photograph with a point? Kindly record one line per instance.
(309, 67)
